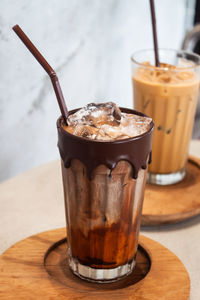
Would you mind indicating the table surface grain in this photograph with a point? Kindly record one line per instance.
(33, 202)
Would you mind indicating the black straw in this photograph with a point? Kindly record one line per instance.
(52, 74)
(155, 40)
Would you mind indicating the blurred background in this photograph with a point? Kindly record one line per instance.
(89, 44)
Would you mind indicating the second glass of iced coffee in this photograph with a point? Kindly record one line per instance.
(168, 94)
(104, 154)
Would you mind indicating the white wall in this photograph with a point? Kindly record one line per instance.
(89, 43)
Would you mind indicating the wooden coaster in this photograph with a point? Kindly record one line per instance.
(173, 203)
(36, 268)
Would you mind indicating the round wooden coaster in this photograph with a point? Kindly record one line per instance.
(173, 203)
(36, 268)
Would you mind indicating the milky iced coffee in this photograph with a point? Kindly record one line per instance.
(104, 152)
(168, 95)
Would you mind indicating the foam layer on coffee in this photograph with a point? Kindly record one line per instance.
(105, 121)
(167, 73)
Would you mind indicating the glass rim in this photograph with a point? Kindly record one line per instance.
(119, 141)
(169, 50)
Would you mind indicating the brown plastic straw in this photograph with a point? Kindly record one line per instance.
(155, 40)
(52, 74)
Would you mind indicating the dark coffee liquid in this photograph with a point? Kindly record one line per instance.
(106, 247)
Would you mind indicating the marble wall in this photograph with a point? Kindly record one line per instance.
(89, 43)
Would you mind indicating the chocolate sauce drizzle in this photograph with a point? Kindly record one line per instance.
(93, 153)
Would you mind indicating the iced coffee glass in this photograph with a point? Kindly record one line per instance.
(103, 189)
(168, 94)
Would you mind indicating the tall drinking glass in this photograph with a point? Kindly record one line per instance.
(103, 188)
(168, 94)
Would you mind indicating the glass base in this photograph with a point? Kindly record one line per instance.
(100, 275)
(166, 179)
